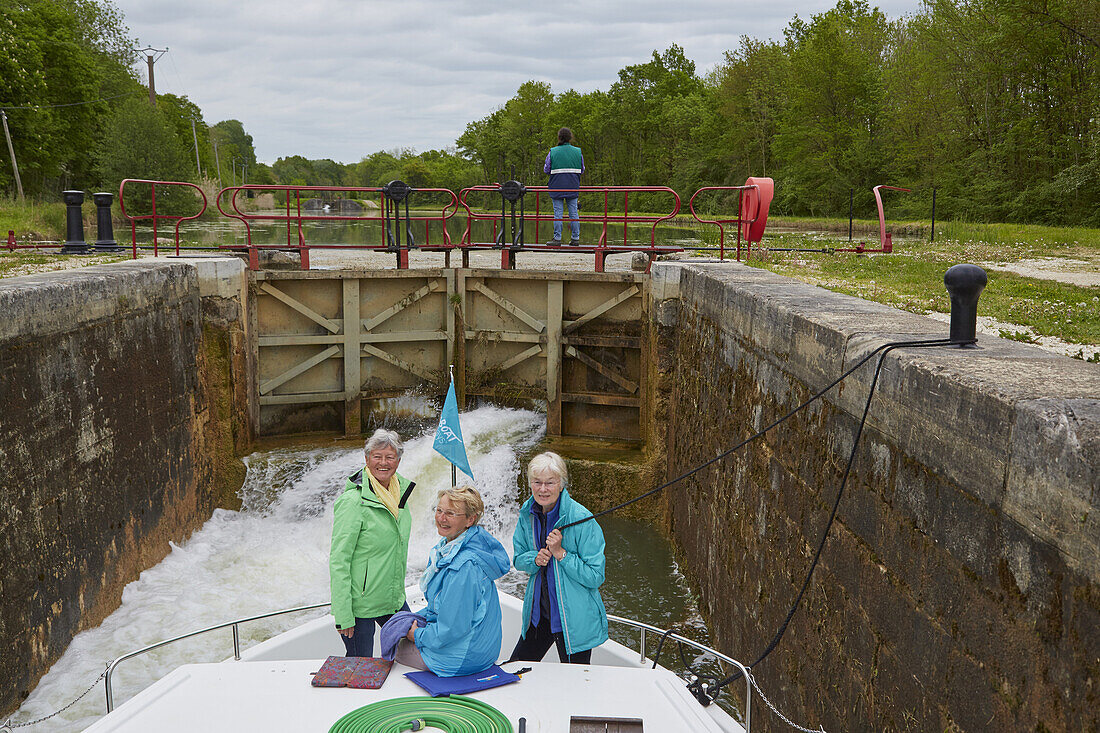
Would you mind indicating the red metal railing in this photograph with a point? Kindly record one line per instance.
(154, 216)
(607, 218)
(886, 240)
(293, 217)
(720, 223)
(753, 201)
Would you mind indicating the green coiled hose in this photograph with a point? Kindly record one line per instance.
(454, 714)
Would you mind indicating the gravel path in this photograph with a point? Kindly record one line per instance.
(1085, 273)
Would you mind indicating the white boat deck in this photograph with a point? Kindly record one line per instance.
(269, 689)
(277, 696)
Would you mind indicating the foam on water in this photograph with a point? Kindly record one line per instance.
(273, 554)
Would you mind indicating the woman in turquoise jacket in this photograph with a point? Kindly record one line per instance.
(562, 606)
(462, 634)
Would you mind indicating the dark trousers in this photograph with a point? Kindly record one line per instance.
(361, 643)
(533, 646)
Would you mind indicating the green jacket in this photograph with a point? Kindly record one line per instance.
(369, 550)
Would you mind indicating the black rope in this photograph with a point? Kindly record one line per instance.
(887, 348)
(698, 688)
(754, 436)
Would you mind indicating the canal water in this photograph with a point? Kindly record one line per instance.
(273, 554)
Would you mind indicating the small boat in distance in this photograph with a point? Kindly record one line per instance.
(268, 687)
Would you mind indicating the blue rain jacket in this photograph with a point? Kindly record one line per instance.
(463, 634)
(578, 576)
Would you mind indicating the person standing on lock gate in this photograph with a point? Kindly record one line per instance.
(370, 545)
(565, 164)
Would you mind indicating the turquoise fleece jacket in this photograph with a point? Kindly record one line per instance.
(579, 575)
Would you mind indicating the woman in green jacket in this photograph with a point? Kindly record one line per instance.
(370, 545)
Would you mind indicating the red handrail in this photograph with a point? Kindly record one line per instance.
(154, 215)
(886, 240)
(293, 216)
(738, 221)
(755, 197)
(607, 218)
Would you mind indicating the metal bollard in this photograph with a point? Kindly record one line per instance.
(74, 224)
(105, 228)
(964, 283)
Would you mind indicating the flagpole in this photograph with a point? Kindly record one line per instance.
(454, 471)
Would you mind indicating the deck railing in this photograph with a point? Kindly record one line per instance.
(231, 624)
(643, 630)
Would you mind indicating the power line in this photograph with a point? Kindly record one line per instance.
(70, 104)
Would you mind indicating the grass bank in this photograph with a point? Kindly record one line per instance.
(911, 278)
(33, 220)
(1014, 235)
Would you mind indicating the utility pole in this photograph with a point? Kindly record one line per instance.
(152, 55)
(218, 162)
(195, 137)
(11, 150)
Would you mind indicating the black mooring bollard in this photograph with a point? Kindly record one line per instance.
(964, 283)
(74, 224)
(105, 228)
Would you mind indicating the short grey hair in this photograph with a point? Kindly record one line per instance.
(468, 497)
(383, 438)
(548, 461)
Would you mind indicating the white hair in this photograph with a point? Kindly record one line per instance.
(383, 438)
(548, 461)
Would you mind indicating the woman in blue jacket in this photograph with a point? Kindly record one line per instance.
(562, 606)
(462, 634)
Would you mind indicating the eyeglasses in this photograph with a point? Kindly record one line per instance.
(448, 513)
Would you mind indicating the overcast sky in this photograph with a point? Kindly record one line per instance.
(342, 79)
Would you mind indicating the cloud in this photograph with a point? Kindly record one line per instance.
(343, 78)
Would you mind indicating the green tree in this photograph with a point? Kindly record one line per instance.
(141, 143)
(56, 60)
(829, 137)
(234, 149)
(181, 112)
(750, 90)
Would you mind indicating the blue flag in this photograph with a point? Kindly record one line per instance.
(448, 437)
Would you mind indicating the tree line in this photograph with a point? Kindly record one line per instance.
(79, 115)
(994, 104)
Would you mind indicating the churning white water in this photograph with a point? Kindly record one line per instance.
(271, 555)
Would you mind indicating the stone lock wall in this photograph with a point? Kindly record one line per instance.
(960, 585)
(122, 413)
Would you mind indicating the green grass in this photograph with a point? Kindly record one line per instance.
(911, 278)
(1018, 235)
(33, 220)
